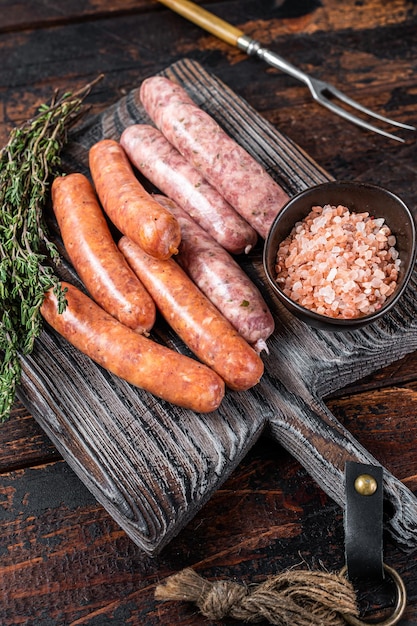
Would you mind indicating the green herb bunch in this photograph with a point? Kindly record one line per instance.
(28, 163)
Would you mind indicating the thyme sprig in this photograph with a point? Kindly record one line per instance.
(28, 258)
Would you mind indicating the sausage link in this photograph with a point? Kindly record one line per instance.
(128, 205)
(222, 280)
(95, 255)
(166, 168)
(195, 319)
(140, 361)
(238, 177)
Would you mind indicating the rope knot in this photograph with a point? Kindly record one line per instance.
(301, 598)
(218, 599)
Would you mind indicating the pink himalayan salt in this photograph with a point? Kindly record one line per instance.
(338, 263)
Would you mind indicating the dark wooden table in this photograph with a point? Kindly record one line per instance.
(63, 559)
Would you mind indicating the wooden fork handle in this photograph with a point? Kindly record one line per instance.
(206, 20)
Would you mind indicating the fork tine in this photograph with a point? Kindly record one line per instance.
(356, 120)
(318, 89)
(356, 105)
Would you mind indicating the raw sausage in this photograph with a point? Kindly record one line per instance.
(140, 361)
(167, 169)
(95, 255)
(240, 179)
(195, 319)
(222, 280)
(128, 205)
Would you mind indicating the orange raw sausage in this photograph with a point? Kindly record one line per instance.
(195, 319)
(95, 255)
(140, 361)
(128, 205)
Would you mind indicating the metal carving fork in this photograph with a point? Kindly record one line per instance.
(322, 92)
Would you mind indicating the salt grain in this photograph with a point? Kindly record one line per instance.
(331, 275)
(339, 263)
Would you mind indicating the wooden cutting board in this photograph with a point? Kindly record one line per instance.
(153, 465)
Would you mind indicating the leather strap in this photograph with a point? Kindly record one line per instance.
(363, 521)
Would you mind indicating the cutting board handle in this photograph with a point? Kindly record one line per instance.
(312, 434)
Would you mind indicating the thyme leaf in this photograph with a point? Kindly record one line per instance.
(28, 258)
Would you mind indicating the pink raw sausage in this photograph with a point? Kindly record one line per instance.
(238, 177)
(222, 280)
(166, 168)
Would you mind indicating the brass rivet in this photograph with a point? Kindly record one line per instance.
(366, 485)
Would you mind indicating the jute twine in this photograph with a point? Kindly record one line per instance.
(299, 598)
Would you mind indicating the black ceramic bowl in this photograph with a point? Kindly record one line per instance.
(357, 197)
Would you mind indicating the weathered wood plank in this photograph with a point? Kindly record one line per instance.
(26, 15)
(400, 373)
(269, 514)
(23, 443)
(192, 455)
(67, 561)
(296, 18)
(61, 57)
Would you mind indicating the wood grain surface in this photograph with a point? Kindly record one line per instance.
(152, 466)
(64, 560)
